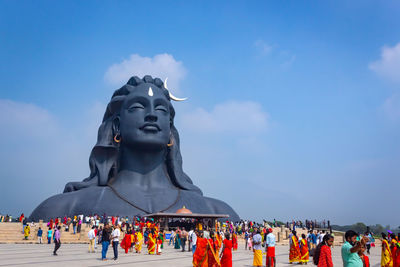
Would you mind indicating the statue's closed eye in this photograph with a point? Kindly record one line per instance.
(161, 108)
(136, 105)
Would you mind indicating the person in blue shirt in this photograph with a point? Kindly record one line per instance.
(49, 234)
(39, 235)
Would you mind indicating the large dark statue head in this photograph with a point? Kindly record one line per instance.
(136, 164)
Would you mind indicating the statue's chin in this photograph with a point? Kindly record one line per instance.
(147, 146)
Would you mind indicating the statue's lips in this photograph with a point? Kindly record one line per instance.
(151, 127)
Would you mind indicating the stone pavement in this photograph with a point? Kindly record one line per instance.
(77, 255)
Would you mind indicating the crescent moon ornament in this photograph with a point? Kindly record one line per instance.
(171, 95)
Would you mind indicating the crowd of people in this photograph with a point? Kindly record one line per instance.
(213, 245)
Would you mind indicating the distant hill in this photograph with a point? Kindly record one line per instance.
(361, 228)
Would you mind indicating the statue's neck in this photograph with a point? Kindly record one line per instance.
(143, 169)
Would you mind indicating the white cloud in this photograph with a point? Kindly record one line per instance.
(388, 66)
(244, 118)
(264, 47)
(161, 66)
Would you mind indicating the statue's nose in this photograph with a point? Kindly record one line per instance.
(151, 117)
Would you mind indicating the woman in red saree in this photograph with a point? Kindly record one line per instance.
(226, 254)
(234, 241)
(304, 255)
(394, 249)
(200, 256)
(294, 253)
(127, 241)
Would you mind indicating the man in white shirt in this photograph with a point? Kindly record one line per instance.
(190, 240)
(92, 236)
(270, 247)
(257, 260)
(193, 238)
(115, 240)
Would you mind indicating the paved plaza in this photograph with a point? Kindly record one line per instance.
(77, 255)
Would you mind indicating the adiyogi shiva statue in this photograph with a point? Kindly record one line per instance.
(136, 164)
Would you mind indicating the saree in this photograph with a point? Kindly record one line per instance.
(200, 256)
(213, 257)
(395, 253)
(234, 242)
(304, 251)
(151, 245)
(226, 260)
(294, 253)
(138, 242)
(126, 242)
(386, 257)
(218, 243)
(177, 241)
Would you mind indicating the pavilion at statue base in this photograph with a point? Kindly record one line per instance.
(206, 219)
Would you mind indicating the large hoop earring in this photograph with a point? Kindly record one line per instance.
(116, 139)
(171, 143)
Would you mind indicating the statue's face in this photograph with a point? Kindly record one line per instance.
(145, 118)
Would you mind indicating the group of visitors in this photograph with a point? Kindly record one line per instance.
(213, 246)
(390, 256)
(299, 249)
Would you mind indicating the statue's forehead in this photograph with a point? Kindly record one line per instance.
(147, 90)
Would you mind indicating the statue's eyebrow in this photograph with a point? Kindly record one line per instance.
(140, 99)
(161, 101)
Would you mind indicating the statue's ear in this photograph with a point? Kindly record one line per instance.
(115, 125)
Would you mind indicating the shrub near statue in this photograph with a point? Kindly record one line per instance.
(136, 164)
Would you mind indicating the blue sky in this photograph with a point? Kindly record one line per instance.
(294, 106)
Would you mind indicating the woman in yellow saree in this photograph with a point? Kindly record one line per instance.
(386, 257)
(294, 253)
(138, 241)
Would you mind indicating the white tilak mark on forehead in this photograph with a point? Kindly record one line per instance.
(150, 92)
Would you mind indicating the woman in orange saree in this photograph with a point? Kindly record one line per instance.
(304, 255)
(151, 245)
(234, 241)
(294, 253)
(218, 242)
